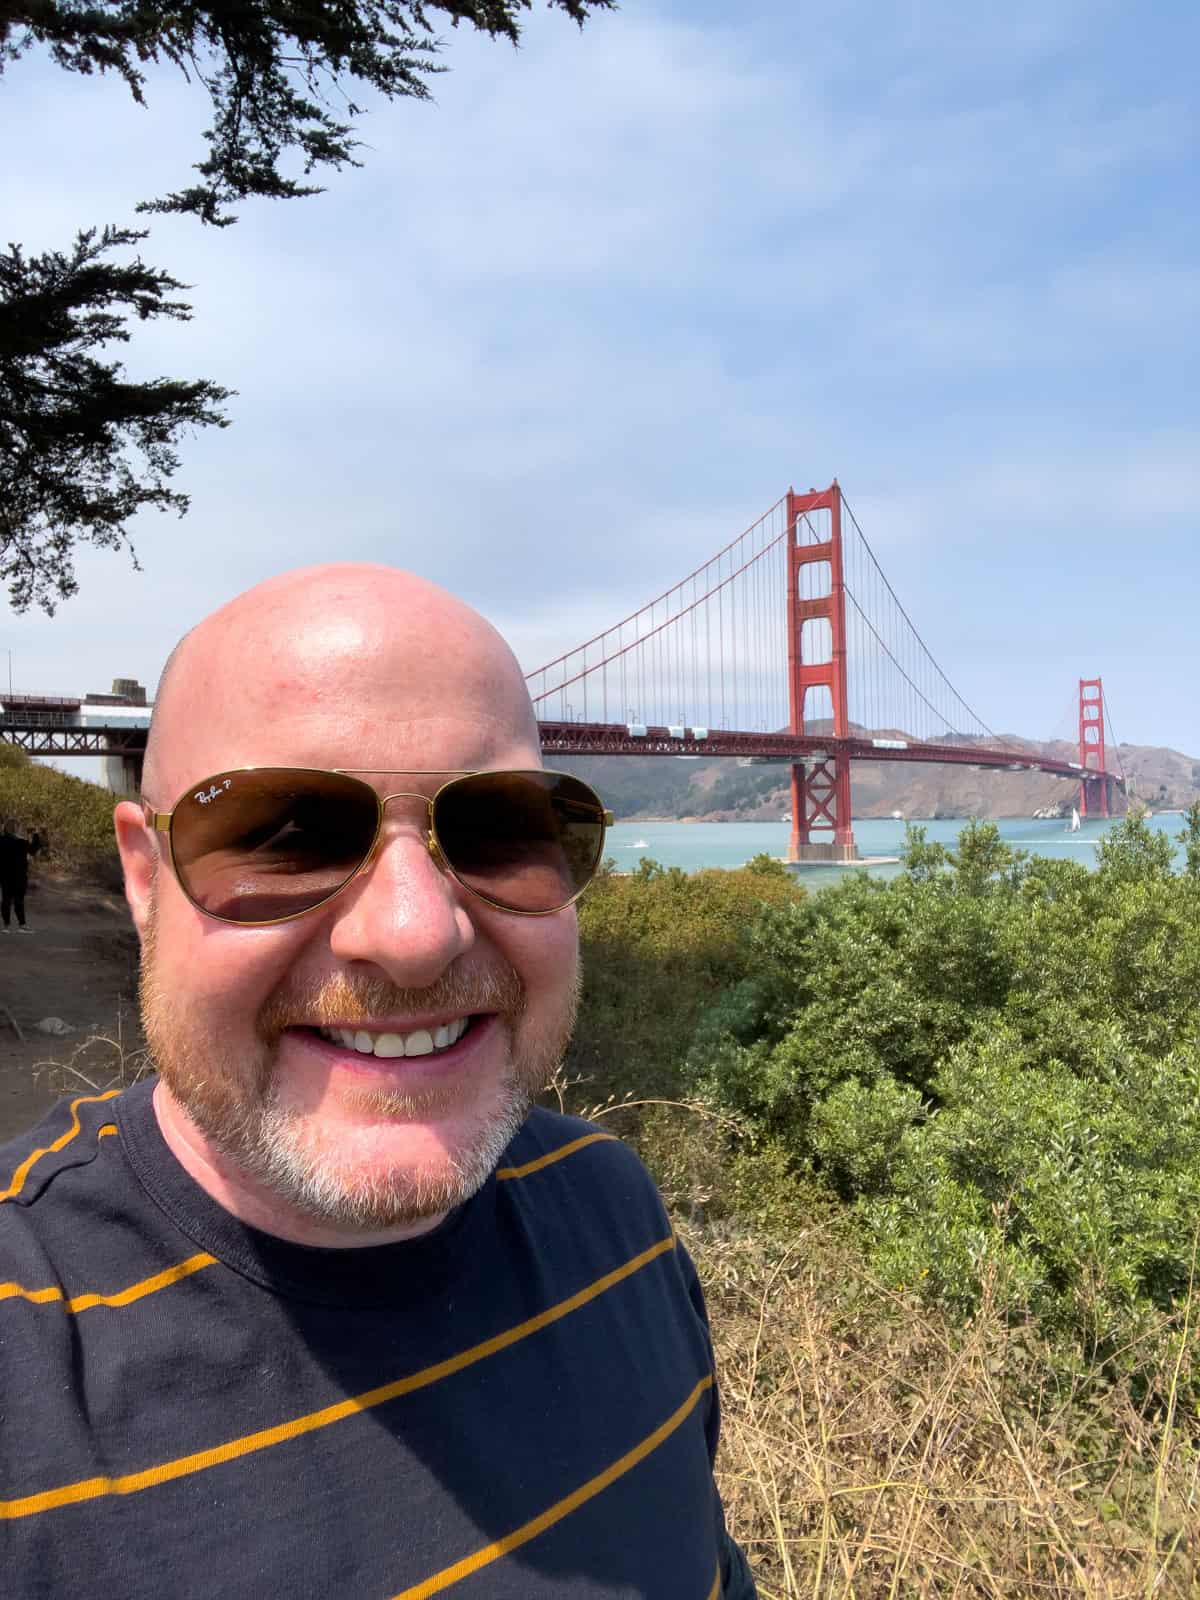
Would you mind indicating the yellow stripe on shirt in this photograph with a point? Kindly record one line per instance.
(22, 1172)
(232, 1449)
(184, 1269)
(560, 1509)
(122, 1297)
(504, 1174)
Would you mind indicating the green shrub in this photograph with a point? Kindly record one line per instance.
(659, 947)
(861, 1133)
(765, 1189)
(74, 818)
(996, 1063)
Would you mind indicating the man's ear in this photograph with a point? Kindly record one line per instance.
(139, 861)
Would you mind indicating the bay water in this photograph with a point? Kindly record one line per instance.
(693, 845)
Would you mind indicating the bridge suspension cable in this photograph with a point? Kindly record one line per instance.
(1112, 744)
(895, 685)
(712, 650)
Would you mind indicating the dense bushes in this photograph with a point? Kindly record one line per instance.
(995, 1063)
(990, 1066)
(660, 947)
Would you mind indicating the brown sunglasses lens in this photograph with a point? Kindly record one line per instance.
(271, 842)
(524, 841)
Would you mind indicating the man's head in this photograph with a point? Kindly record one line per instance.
(348, 666)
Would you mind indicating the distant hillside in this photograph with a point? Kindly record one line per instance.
(638, 787)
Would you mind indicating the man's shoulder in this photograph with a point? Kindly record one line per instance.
(563, 1164)
(67, 1138)
(548, 1138)
(60, 1185)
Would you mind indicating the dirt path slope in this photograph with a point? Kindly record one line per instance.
(77, 963)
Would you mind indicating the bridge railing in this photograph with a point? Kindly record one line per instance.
(26, 716)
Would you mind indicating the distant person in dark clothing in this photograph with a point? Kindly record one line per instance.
(14, 872)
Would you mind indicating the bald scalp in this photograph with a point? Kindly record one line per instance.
(303, 634)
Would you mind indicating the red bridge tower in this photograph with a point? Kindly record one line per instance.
(816, 614)
(1094, 797)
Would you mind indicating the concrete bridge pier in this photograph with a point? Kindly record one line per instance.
(123, 775)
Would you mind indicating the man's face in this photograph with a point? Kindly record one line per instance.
(249, 1027)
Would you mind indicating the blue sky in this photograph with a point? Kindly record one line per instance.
(581, 320)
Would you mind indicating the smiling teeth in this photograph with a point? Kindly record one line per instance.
(393, 1045)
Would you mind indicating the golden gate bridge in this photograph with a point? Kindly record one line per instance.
(788, 645)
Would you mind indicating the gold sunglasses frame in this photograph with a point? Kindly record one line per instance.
(161, 822)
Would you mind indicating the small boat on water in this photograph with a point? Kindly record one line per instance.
(639, 844)
(1073, 825)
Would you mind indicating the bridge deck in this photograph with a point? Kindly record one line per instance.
(596, 739)
(614, 739)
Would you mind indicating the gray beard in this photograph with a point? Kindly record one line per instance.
(236, 1106)
(269, 1151)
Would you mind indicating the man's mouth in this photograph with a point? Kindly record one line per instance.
(391, 1046)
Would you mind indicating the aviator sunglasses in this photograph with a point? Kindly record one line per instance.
(261, 845)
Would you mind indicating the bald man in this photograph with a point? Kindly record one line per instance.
(323, 1307)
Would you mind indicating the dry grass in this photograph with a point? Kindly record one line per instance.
(872, 1450)
(100, 1061)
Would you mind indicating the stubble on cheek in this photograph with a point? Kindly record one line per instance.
(222, 1088)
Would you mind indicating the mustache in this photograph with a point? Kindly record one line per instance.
(343, 1000)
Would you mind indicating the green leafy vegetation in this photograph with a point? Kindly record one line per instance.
(660, 947)
(994, 1064)
(74, 818)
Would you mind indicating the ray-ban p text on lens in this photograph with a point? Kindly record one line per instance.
(260, 845)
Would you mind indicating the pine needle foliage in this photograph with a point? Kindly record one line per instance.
(83, 449)
(273, 71)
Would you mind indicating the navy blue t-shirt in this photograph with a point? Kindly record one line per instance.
(519, 1404)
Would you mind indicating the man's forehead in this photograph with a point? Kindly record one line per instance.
(364, 626)
(344, 617)
(331, 674)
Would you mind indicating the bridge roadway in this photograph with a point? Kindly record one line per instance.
(615, 739)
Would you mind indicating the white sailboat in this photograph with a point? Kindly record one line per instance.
(1073, 825)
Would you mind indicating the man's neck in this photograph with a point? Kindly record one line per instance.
(252, 1203)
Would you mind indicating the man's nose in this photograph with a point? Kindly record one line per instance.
(403, 914)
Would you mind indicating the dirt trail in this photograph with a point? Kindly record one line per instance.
(78, 963)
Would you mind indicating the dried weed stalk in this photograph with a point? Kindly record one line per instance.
(872, 1450)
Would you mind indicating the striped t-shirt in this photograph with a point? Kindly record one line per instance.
(517, 1405)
